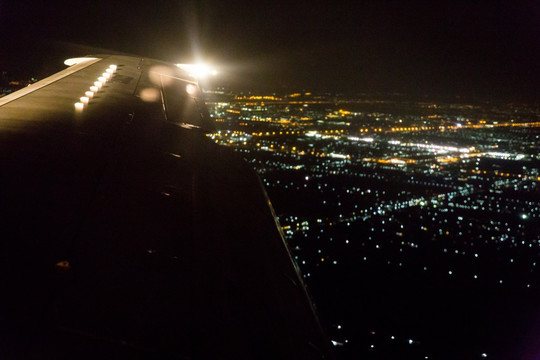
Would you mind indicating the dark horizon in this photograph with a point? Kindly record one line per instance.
(417, 48)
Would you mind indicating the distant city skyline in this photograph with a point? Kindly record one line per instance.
(417, 48)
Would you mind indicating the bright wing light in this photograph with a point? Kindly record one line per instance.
(198, 70)
(74, 61)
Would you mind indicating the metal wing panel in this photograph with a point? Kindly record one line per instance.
(125, 232)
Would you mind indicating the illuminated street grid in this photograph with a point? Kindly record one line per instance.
(446, 192)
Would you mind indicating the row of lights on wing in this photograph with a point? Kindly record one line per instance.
(84, 100)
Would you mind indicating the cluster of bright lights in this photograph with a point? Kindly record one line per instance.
(506, 156)
(338, 156)
(365, 139)
(198, 71)
(106, 76)
(317, 134)
(439, 149)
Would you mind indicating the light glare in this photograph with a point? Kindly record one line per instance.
(198, 70)
(149, 95)
(191, 89)
(74, 61)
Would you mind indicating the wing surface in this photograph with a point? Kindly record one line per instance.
(125, 233)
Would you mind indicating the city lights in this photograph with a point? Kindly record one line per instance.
(388, 194)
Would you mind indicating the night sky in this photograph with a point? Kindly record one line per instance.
(467, 48)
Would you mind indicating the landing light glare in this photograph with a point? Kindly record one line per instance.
(198, 70)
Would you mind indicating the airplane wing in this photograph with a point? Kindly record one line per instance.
(126, 233)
